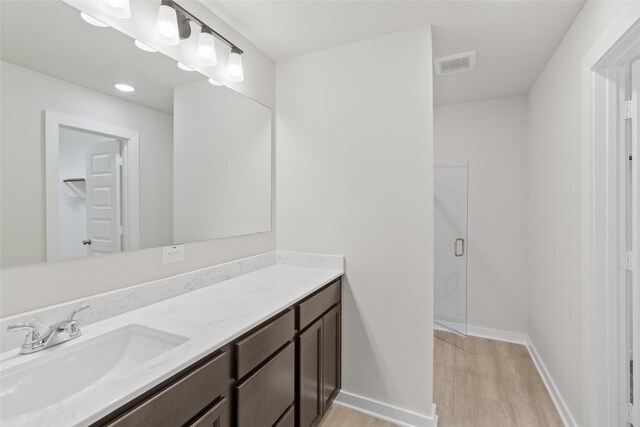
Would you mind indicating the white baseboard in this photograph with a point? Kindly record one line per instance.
(498, 335)
(383, 411)
(520, 338)
(558, 401)
(482, 332)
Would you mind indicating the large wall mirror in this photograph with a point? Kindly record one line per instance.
(88, 169)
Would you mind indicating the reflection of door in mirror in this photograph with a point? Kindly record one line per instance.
(103, 219)
(89, 202)
(90, 197)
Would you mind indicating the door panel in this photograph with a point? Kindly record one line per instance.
(331, 356)
(103, 198)
(451, 244)
(310, 375)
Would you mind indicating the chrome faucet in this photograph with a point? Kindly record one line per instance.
(60, 332)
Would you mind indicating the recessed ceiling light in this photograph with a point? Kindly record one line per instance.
(184, 67)
(144, 47)
(93, 21)
(124, 87)
(215, 82)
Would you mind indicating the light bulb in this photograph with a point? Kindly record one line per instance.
(234, 66)
(206, 48)
(167, 24)
(184, 67)
(91, 20)
(124, 87)
(144, 47)
(116, 8)
(215, 82)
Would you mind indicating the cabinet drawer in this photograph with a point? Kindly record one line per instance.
(218, 416)
(288, 419)
(265, 395)
(182, 400)
(312, 308)
(255, 348)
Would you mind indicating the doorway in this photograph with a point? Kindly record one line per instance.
(92, 187)
(611, 302)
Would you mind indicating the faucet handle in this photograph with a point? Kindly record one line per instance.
(78, 310)
(32, 328)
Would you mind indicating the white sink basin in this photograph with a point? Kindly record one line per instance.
(48, 380)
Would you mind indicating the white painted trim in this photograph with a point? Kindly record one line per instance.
(384, 411)
(498, 335)
(599, 215)
(490, 333)
(131, 150)
(554, 392)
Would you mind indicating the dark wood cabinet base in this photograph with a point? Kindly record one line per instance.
(283, 373)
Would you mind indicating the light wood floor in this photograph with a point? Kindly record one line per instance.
(477, 383)
(480, 382)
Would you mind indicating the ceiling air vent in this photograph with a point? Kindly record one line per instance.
(455, 63)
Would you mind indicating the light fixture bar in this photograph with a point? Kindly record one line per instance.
(219, 36)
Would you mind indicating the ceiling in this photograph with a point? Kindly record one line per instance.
(85, 55)
(513, 39)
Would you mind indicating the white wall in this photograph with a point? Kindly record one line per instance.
(222, 163)
(38, 285)
(355, 177)
(492, 136)
(23, 209)
(555, 204)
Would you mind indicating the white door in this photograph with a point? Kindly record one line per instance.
(103, 198)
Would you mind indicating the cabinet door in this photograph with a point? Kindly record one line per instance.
(331, 356)
(310, 376)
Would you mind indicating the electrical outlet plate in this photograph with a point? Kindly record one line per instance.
(172, 253)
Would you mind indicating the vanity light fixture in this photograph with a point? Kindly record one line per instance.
(116, 8)
(206, 47)
(91, 20)
(234, 65)
(124, 87)
(167, 24)
(215, 82)
(184, 67)
(174, 23)
(144, 47)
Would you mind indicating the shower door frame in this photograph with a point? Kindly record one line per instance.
(465, 248)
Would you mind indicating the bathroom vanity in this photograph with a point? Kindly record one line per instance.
(249, 343)
(285, 372)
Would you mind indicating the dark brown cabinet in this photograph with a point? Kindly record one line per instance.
(218, 416)
(266, 395)
(283, 373)
(310, 375)
(331, 356)
(319, 356)
(183, 399)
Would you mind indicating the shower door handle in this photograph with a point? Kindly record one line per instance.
(458, 247)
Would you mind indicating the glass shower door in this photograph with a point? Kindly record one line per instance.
(450, 290)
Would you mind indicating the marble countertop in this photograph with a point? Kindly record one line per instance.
(209, 318)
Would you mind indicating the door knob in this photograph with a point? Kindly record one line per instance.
(87, 242)
(458, 247)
